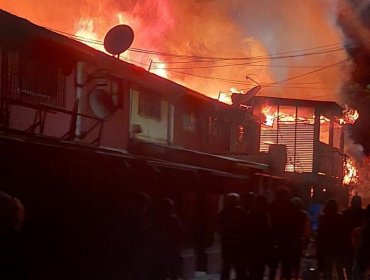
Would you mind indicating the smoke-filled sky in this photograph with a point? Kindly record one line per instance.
(268, 40)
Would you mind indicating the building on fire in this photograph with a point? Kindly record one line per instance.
(82, 133)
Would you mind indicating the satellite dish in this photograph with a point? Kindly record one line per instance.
(101, 103)
(118, 39)
(240, 99)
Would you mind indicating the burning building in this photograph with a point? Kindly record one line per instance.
(81, 128)
(101, 129)
(303, 140)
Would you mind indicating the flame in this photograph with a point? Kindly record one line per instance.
(324, 119)
(236, 90)
(285, 117)
(270, 114)
(160, 69)
(225, 97)
(350, 173)
(222, 29)
(85, 29)
(350, 116)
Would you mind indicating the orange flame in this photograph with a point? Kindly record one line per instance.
(270, 115)
(350, 173)
(86, 30)
(324, 119)
(285, 117)
(159, 69)
(350, 116)
(205, 29)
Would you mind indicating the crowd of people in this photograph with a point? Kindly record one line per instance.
(259, 239)
(263, 239)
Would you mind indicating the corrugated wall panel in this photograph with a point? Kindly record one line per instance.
(298, 138)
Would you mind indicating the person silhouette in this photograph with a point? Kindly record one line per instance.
(11, 221)
(331, 238)
(286, 229)
(231, 220)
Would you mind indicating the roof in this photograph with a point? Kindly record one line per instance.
(123, 165)
(186, 157)
(324, 105)
(20, 31)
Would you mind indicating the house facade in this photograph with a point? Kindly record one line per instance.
(82, 134)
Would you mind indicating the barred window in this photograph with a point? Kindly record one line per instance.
(34, 80)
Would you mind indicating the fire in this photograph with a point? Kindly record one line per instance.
(324, 120)
(86, 30)
(236, 90)
(270, 115)
(350, 116)
(196, 29)
(350, 172)
(287, 117)
(225, 97)
(160, 69)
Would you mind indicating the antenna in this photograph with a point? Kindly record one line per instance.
(240, 99)
(118, 39)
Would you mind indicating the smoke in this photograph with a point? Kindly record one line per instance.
(218, 28)
(352, 149)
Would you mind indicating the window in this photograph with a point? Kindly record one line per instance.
(324, 130)
(337, 135)
(35, 80)
(149, 105)
(189, 122)
(290, 126)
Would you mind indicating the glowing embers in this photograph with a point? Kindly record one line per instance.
(350, 116)
(350, 172)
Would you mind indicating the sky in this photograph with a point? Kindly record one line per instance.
(293, 48)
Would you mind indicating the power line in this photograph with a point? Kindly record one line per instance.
(220, 59)
(311, 72)
(281, 55)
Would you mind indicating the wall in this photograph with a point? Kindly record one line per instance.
(26, 102)
(153, 130)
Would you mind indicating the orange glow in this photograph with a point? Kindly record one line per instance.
(350, 116)
(270, 115)
(192, 29)
(160, 69)
(350, 172)
(324, 120)
(236, 90)
(86, 29)
(281, 125)
(225, 98)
